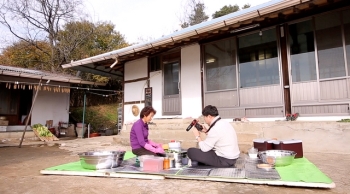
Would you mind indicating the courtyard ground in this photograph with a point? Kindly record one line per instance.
(20, 172)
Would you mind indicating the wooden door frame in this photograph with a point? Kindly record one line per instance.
(282, 29)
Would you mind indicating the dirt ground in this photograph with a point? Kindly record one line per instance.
(20, 173)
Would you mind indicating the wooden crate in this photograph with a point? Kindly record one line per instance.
(53, 138)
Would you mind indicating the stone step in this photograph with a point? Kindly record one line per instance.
(18, 135)
(173, 121)
(238, 126)
(187, 135)
(243, 146)
(170, 126)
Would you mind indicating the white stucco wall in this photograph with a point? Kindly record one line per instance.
(129, 118)
(191, 81)
(136, 69)
(51, 105)
(190, 85)
(157, 92)
(134, 91)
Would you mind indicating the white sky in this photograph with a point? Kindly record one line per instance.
(149, 19)
(140, 20)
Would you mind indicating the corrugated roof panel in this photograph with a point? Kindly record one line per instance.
(36, 74)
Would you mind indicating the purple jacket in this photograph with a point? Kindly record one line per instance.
(139, 134)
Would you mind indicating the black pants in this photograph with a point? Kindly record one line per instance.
(209, 158)
(142, 151)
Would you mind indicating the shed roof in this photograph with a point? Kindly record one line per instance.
(36, 74)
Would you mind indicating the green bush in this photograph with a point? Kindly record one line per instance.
(102, 116)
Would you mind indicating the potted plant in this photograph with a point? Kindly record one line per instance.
(94, 132)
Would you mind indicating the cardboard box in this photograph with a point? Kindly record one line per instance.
(49, 123)
(4, 122)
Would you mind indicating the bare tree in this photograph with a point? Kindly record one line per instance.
(194, 13)
(143, 39)
(38, 20)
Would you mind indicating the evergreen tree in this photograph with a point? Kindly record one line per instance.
(196, 14)
(228, 9)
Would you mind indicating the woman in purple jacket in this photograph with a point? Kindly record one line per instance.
(139, 141)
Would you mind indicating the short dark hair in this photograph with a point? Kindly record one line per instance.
(146, 111)
(210, 110)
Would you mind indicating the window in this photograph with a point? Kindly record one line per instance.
(302, 50)
(171, 78)
(258, 62)
(154, 63)
(329, 46)
(220, 65)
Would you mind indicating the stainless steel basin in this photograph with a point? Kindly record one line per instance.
(101, 160)
(277, 157)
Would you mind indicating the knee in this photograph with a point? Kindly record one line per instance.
(191, 151)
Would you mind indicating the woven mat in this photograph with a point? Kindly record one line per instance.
(252, 172)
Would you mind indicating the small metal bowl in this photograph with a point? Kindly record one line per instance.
(101, 160)
(277, 157)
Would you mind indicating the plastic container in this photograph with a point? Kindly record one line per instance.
(263, 144)
(154, 164)
(292, 145)
(142, 158)
(176, 146)
(184, 161)
(253, 153)
(166, 163)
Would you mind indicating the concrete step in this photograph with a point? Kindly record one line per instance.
(18, 135)
(187, 135)
(183, 124)
(165, 130)
(164, 126)
(243, 146)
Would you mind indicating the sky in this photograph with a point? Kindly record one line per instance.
(145, 20)
(139, 20)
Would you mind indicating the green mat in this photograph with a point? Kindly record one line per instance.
(302, 170)
(76, 166)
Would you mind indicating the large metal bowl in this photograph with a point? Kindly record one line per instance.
(101, 160)
(277, 157)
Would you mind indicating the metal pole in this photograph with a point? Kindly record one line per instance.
(30, 113)
(82, 131)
